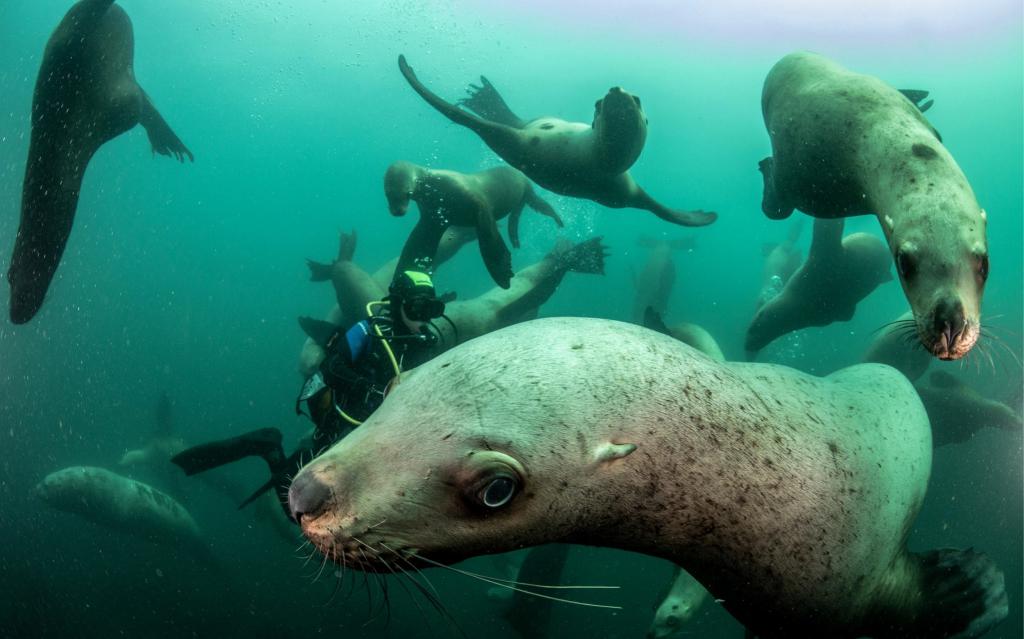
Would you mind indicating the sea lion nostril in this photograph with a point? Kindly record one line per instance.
(307, 495)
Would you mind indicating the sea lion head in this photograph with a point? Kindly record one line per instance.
(463, 459)
(942, 262)
(400, 186)
(621, 128)
(671, 617)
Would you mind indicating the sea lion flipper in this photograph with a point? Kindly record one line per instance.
(963, 594)
(917, 96)
(163, 139)
(485, 101)
(642, 200)
(770, 204)
(497, 257)
(540, 205)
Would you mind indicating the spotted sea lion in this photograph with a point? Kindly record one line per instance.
(684, 598)
(789, 497)
(848, 144)
(839, 272)
(570, 158)
(449, 198)
(85, 95)
(123, 504)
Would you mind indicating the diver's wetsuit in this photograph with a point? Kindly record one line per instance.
(348, 387)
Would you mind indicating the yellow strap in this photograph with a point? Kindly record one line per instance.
(387, 349)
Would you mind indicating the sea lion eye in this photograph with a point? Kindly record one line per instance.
(983, 268)
(498, 491)
(906, 264)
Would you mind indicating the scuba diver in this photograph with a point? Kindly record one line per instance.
(349, 385)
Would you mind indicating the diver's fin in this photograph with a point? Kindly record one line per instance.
(485, 101)
(317, 330)
(770, 204)
(653, 321)
(942, 379)
(917, 96)
(318, 271)
(161, 137)
(586, 257)
(259, 491)
(963, 594)
(265, 443)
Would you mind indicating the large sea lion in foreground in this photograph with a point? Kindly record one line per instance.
(476, 200)
(848, 144)
(789, 497)
(85, 96)
(839, 272)
(123, 504)
(570, 158)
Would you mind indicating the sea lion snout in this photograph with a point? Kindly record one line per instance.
(949, 336)
(307, 496)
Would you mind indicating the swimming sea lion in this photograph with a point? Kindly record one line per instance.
(781, 260)
(449, 198)
(570, 158)
(691, 334)
(957, 411)
(657, 278)
(789, 497)
(839, 272)
(684, 598)
(85, 96)
(892, 346)
(124, 505)
(848, 144)
(164, 443)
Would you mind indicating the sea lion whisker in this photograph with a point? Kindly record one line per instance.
(413, 566)
(510, 587)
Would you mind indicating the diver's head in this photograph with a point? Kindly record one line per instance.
(400, 186)
(414, 300)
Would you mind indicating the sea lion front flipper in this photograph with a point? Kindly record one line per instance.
(917, 96)
(826, 239)
(770, 204)
(163, 139)
(497, 257)
(540, 205)
(642, 200)
(420, 249)
(485, 101)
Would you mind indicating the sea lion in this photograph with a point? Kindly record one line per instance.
(789, 497)
(657, 278)
(781, 260)
(691, 334)
(894, 345)
(848, 144)
(123, 504)
(85, 96)
(530, 289)
(568, 158)
(684, 598)
(957, 411)
(164, 443)
(477, 200)
(839, 272)
(530, 616)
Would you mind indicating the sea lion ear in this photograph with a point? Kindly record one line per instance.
(607, 452)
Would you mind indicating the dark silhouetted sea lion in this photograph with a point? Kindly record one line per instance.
(571, 158)
(656, 279)
(781, 260)
(838, 273)
(693, 334)
(85, 96)
(789, 497)
(848, 144)
(894, 346)
(476, 200)
(957, 411)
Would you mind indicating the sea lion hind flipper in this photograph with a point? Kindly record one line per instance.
(485, 101)
(318, 271)
(317, 330)
(770, 204)
(586, 257)
(917, 97)
(163, 139)
(347, 246)
(963, 594)
(497, 257)
(265, 443)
